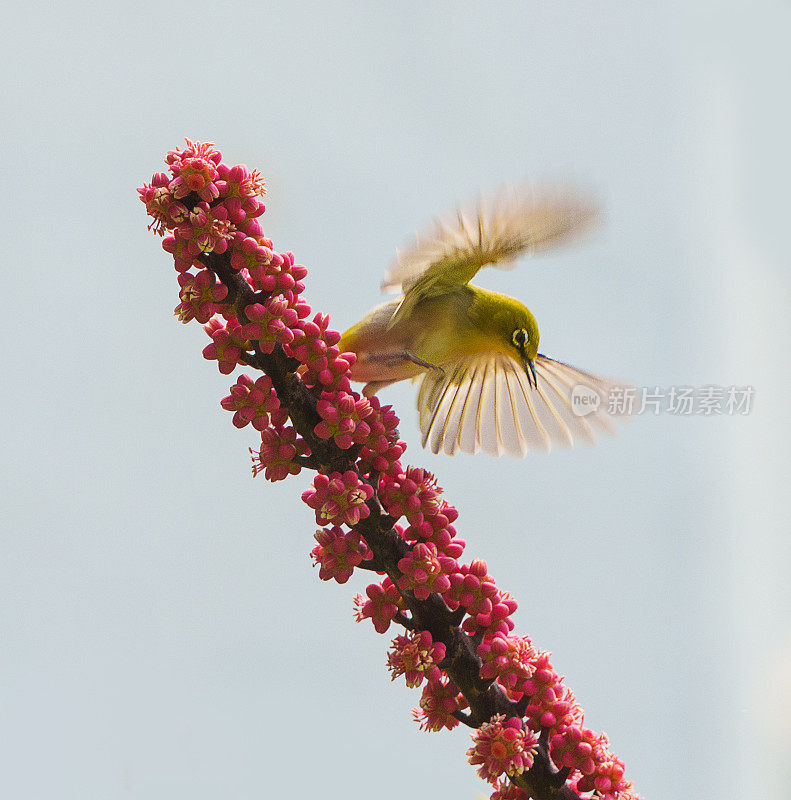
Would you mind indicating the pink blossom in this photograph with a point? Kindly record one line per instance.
(337, 553)
(550, 703)
(227, 344)
(502, 748)
(239, 190)
(254, 402)
(252, 253)
(507, 659)
(440, 701)
(343, 418)
(159, 203)
(270, 323)
(194, 170)
(496, 620)
(574, 748)
(383, 603)
(413, 494)
(201, 296)
(472, 587)
(339, 498)
(279, 447)
(278, 275)
(207, 207)
(183, 256)
(316, 346)
(443, 539)
(505, 790)
(607, 780)
(383, 449)
(425, 571)
(416, 657)
(205, 230)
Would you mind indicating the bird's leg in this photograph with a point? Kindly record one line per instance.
(393, 358)
(410, 356)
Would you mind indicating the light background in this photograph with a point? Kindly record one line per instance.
(163, 634)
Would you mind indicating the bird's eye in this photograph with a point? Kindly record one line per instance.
(519, 337)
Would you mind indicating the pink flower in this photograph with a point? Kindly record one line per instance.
(413, 494)
(183, 255)
(607, 780)
(472, 587)
(159, 203)
(339, 498)
(502, 748)
(205, 230)
(252, 253)
(424, 571)
(443, 539)
(201, 296)
(278, 275)
(227, 344)
(417, 657)
(383, 603)
(383, 449)
(343, 416)
(574, 748)
(315, 345)
(551, 704)
(270, 323)
(338, 553)
(505, 790)
(496, 620)
(440, 701)
(507, 659)
(279, 448)
(254, 402)
(194, 170)
(239, 190)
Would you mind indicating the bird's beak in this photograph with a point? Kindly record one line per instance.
(530, 369)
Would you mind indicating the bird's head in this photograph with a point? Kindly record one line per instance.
(517, 331)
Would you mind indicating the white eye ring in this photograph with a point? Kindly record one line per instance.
(520, 337)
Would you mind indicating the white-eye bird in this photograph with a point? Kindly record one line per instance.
(483, 383)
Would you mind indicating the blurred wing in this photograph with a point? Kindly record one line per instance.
(485, 402)
(496, 231)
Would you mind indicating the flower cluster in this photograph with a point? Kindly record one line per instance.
(415, 495)
(339, 498)
(277, 454)
(248, 297)
(201, 296)
(440, 706)
(383, 449)
(383, 603)
(509, 661)
(338, 552)
(227, 343)
(316, 346)
(254, 402)
(502, 747)
(343, 418)
(416, 657)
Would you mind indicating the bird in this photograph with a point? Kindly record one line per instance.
(483, 385)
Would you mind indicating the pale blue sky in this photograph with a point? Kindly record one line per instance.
(162, 632)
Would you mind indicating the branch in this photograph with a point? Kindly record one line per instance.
(525, 719)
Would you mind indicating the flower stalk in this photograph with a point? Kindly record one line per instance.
(375, 513)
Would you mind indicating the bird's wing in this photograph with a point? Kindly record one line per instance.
(496, 231)
(485, 402)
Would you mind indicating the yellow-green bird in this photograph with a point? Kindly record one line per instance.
(483, 384)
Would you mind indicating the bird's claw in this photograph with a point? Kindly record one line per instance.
(421, 363)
